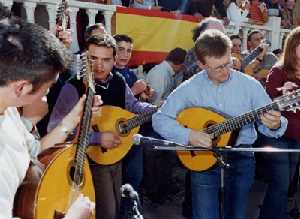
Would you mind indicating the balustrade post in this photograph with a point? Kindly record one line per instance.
(52, 10)
(73, 27)
(7, 3)
(245, 35)
(275, 24)
(29, 9)
(107, 17)
(92, 14)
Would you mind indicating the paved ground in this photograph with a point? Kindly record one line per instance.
(172, 209)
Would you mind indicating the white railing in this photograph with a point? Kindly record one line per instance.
(92, 9)
(272, 28)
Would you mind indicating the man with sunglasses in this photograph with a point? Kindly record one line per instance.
(230, 92)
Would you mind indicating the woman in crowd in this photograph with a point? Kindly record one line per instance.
(282, 79)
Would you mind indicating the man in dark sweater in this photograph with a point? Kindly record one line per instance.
(114, 91)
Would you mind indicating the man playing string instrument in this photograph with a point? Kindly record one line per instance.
(30, 60)
(228, 91)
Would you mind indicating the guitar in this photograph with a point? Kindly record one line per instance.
(118, 120)
(259, 75)
(221, 129)
(62, 16)
(66, 172)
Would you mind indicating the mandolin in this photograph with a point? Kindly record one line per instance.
(221, 129)
(118, 120)
(49, 195)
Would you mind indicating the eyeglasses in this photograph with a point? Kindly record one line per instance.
(220, 68)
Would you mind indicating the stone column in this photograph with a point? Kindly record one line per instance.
(274, 23)
(52, 10)
(92, 14)
(7, 3)
(245, 34)
(107, 17)
(73, 27)
(29, 9)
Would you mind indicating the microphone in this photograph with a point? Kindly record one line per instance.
(139, 139)
(132, 205)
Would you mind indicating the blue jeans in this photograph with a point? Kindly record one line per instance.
(280, 169)
(238, 180)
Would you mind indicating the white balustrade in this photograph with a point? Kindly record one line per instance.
(91, 8)
(272, 28)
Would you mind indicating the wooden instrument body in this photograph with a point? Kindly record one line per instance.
(222, 130)
(109, 120)
(199, 119)
(261, 74)
(40, 197)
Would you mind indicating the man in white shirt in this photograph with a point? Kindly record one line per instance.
(162, 78)
(30, 60)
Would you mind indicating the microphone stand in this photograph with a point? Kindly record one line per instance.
(220, 161)
(223, 165)
(218, 154)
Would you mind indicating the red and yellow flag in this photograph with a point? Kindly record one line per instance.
(155, 33)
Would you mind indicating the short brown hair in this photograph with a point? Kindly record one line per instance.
(29, 52)
(105, 40)
(176, 56)
(212, 43)
(203, 25)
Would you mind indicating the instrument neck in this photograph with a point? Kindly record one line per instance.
(240, 121)
(83, 139)
(140, 119)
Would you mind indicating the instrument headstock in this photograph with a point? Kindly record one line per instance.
(289, 101)
(62, 15)
(86, 71)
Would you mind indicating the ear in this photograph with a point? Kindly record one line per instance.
(201, 65)
(22, 87)
(115, 59)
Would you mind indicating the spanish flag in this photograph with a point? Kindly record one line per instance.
(154, 32)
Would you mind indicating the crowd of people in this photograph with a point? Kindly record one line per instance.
(215, 74)
(233, 11)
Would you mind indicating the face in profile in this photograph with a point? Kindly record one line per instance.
(27, 96)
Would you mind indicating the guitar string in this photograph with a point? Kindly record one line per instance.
(239, 121)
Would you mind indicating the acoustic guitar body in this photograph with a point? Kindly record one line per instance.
(49, 197)
(199, 119)
(110, 119)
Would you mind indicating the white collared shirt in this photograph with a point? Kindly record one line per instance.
(16, 145)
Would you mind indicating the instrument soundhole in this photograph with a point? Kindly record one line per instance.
(71, 173)
(79, 178)
(123, 128)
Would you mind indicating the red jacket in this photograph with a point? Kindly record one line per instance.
(276, 78)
